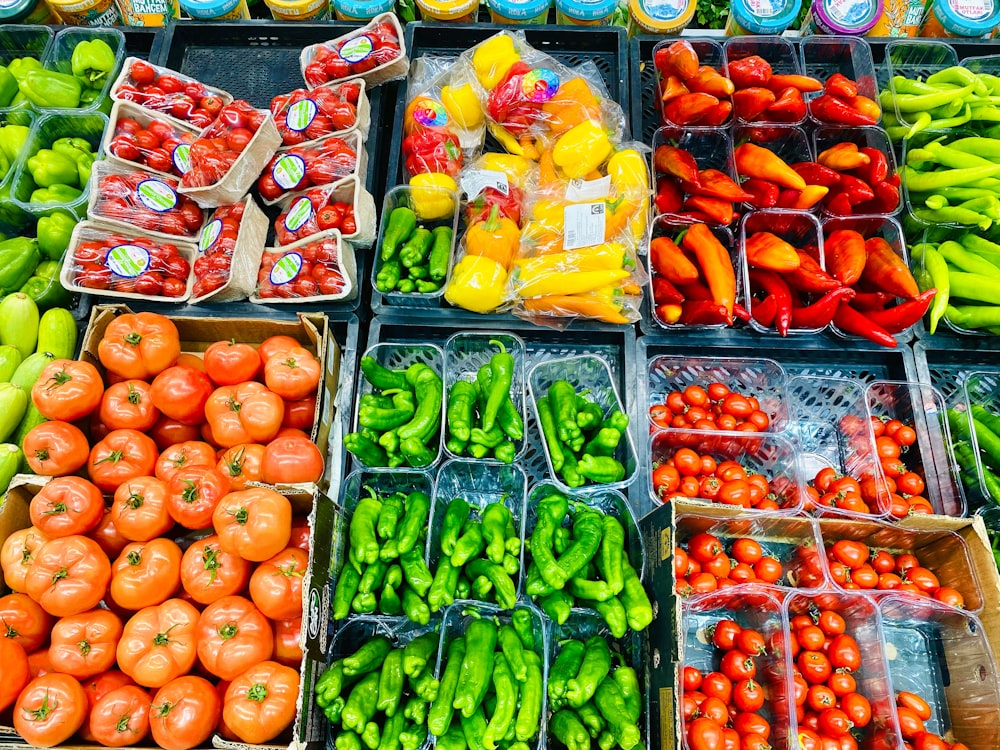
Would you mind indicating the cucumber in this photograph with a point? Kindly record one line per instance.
(57, 333)
(13, 403)
(32, 418)
(10, 358)
(19, 322)
(10, 464)
(29, 370)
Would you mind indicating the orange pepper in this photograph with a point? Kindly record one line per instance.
(715, 264)
(669, 261)
(885, 270)
(672, 87)
(843, 157)
(846, 255)
(769, 252)
(497, 238)
(764, 164)
(573, 103)
(584, 305)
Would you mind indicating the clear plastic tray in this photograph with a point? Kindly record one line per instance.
(794, 542)
(923, 407)
(399, 357)
(942, 552)
(916, 58)
(851, 56)
(759, 452)
(709, 51)
(759, 611)
(778, 51)
(479, 485)
(24, 40)
(830, 426)
(10, 214)
(59, 55)
(762, 378)
(712, 148)
(592, 375)
(466, 352)
(825, 136)
(982, 388)
(945, 657)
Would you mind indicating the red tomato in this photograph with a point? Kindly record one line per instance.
(705, 734)
(193, 495)
(230, 363)
(208, 573)
(815, 667)
(276, 345)
(276, 585)
(159, 643)
(119, 457)
(256, 719)
(857, 708)
(294, 375)
(55, 449)
(738, 666)
(233, 636)
(18, 554)
(69, 576)
(15, 671)
(242, 464)
(121, 717)
(128, 405)
(291, 460)
(107, 537)
(139, 346)
(910, 724)
(844, 653)
(181, 393)
(288, 642)
(67, 506)
(254, 524)
(84, 645)
(67, 390)
(146, 574)
(747, 551)
(183, 456)
(139, 509)
(246, 413)
(724, 635)
(50, 710)
(184, 713)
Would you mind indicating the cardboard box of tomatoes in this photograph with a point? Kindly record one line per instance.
(943, 652)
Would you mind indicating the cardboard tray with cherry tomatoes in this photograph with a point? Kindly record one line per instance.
(294, 273)
(391, 69)
(308, 117)
(148, 157)
(169, 104)
(348, 190)
(310, 165)
(243, 261)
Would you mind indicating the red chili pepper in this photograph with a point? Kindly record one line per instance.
(716, 184)
(856, 190)
(665, 293)
(763, 194)
(750, 72)
(902, 316)
(671, 87)
(774, 285)
(856, 323)
(764, 312)
(718, 210)
(689, 108)
(830, 109)
(709, 81)
(788, 107)
(887, 195)
(815, 173)
(703, 312)
(820, 313)
(802, 83)
(718, 114)
(750, 103)
(839, 205)
(741, 313)
(841, 87)
(669, 197)
(676, 162)
(695, 291)
(886, 270)
(868, 301)
(877, 168)
(679, 58)
(810, 276)
(845, 255)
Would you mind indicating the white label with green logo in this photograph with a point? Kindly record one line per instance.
(288, 171)
(286, 268)
(209, 235)
(128, 260)
(182, 158)
(298, 214)
(356, 49)
(300, 115)
(156, 196)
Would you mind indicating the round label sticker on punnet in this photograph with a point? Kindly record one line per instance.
(286, 268)
(209, 235)
(156, 196)
(298, 214)
(182, 158)
(128, 260)
(300, 115)
(356, 49)
(288, 171)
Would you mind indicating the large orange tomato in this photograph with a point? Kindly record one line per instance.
(183, 456)
(293, 375)
(107, 536)
(121, 456)
(276, 585)
(181, 392)
(167, 432)
(260, 703)
(139, 346)
(101, 684)
(230, 363)
(128, 406)
(55, 449)
(24, 621)
(67, 506)
(70, 576)
(50, 710)
(288, 642)
(18, 554)
(290, 460)
(208, 573)
(84, 645)
(275, 345)
(242, 464)
(159, 643)
(246, 413)
(300, 414)
(254, 524)
(233, 636)
(146, 574)
(15, 671)
(184, 713)
(139, 510)
(67, 390)
(121, 717)
(193, 494)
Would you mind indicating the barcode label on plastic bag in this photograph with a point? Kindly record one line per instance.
(589, 190)
(584, 224)
(476, 181)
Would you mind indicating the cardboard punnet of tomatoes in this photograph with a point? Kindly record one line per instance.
(344, 205)
(303, 116)
(230, 154)
(139, 137)
(229, 251)
(174, 94)
(326, 161)
(376, 52)
(320, 268)
(134, 199)
(132, 264)
(199, 637)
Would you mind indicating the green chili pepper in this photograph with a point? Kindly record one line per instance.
(389, 550)
(442, 590)
(535, 585)
(413, 736)
(402, 224)
(571, 475)
(346, 589)
(329, 684)
(441, 711)
(362, 528)
(501, 377)
(490, 439)
(469, 545)
(453, 739)
(512, 649)
(562, 539)
(474, 727)
(440, 253)
(635, 599)
(588, 414)
(364, 604)
(505, 452)
(588, 528)
(628, 681)
(389, 602)
(414, 524)
(416, 710)
(416, 572)
(566, 728)
(562, 398)
(335, 710)
(381, 420)
(526, 726)
(428, 391)
(391, 730)
(606, 740)
(613, 612)
(455, 517)
(522, 624)
(477, 666)
(461, 400)
(478, 451)
(593, 669)
(368, 657)
(371, 737)
(557, 606)
(427, 287)
(381, 377)
(389, 277)
(360, 707)
(604, 442)
(505, 688)
(418, 653)
(504, 588)
(373, 576)
(937, 268)
(414, 607)
(425, 685)
(595, 591)
(591, 718)
(541, 541)
(609, 561)
(366, 450)
(416, 248)
(601, 469)
(388, 517)
(495, 518)
(347, 741)
(462, 588)
(611, 703)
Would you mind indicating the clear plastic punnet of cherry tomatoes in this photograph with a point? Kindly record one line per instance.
(302, 167)
(220, 145)
(216, 245)
(716, 554)
(916, 567)
(154, 143)
(836, 658)
(174, 613)
(303, 115)
(734, 688)
(713, 407)
(127, 263)
(317, 267)
(314, 211)
(377, 44)
(163, 90)
(133, 198)
(751, 471)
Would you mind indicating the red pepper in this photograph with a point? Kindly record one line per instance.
(820, 313)
(428, 150)
(841, 87)
(508, 205)
(718, 210)
(830, 109)
(676, 162)
(679, 58)
(709, 81)
(788, 107)
(689, 108)
(774, 285)
(887, 195)
(764, 312)
(897, 319)
(509, 105)
(741, 313)
(716, 184)
(849, 320)
(856, 190)
(718, 115)
(669, 261)
(810, 276)
(671, 87)
(886, 270)
(867, 301)
(665, 293)
(669, 197)
(839, 205)
(815, 173)
(763, 194)
(877, 168)
(750, 103)
(695, 291)
(845, 255)
(704, 313)
(750, 72)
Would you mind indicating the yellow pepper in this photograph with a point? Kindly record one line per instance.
(497, 238)
(582, 149)
(606, 257)
(604, 304)
(515, 167)
(433, 195)
(477, 284)
(549, 282)
(550, 213)
(493, 58)
(462, 106)
(630, 177)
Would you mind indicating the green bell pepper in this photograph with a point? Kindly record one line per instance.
(48, 269)
(8, 87)
(92, 62)
(55, 194)
(18, 259)
(46, 291)
(12, 140)
(77, 149)
(54, 232)
(19, 67)
(50, 168)
(51, 90)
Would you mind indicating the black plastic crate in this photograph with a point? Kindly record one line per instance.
(615, 344)
(945, 361)
(605, 46)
